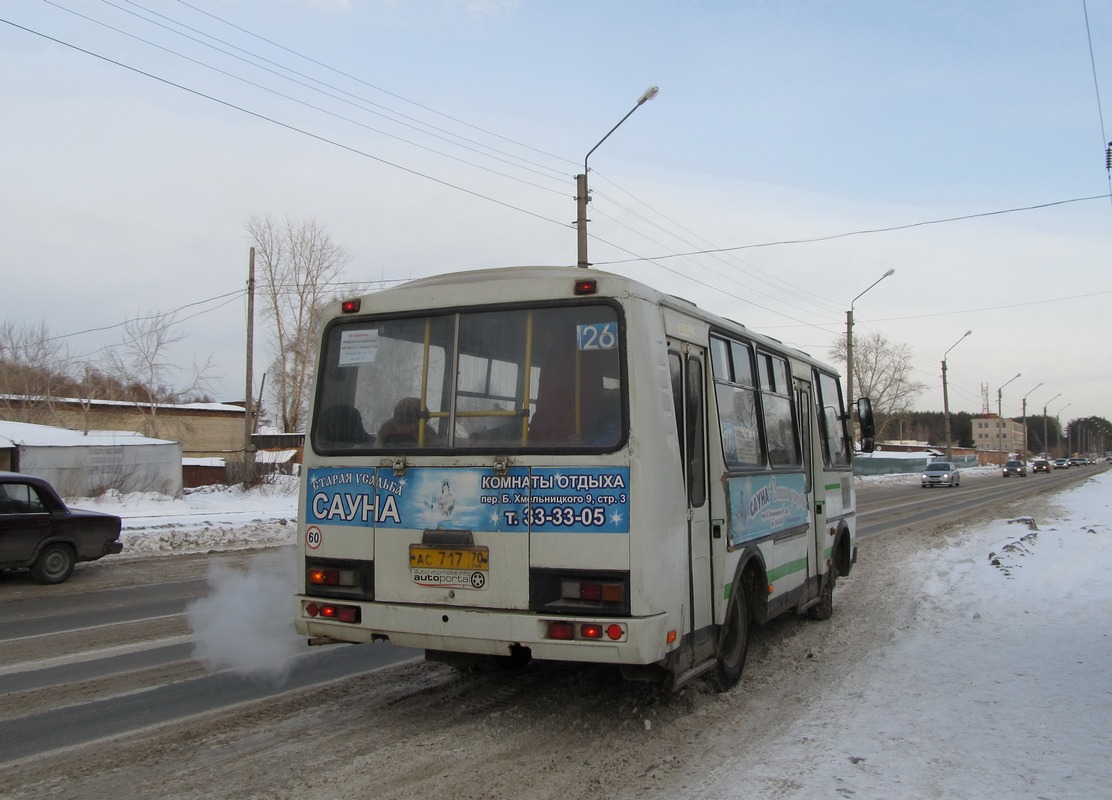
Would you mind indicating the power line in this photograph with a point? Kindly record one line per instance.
(306, 104)
(372, 86)
(870, 231)
(288, 126)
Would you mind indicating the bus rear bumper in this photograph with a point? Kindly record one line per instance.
(642, 640)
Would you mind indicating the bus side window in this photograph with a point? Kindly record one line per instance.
(675, 370)
(696, 427)
(779, 417)
(736, 394)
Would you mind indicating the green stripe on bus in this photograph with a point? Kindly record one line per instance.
(833, 487)
(776, 574)
(787, 569)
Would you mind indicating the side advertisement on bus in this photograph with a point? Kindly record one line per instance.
(764, 505)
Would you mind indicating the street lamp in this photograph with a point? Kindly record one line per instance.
(1025, 422)
(849, 350)
(1000, 420)
(581, 193)
(1046, 441)
(1058, 423)
(946, 398)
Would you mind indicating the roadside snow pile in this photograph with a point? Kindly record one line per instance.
(1000, 687)
(205, 519)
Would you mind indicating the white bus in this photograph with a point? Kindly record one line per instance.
(565, 464)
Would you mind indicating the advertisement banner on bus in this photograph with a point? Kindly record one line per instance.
(525, 499)
(763, 505)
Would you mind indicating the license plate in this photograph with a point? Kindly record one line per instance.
(470, 559)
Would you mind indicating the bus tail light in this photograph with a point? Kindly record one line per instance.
(596, 592)
(561, 630)
(586, 286)
(333, 611)
(324, 576)
(583, 593)
(586, 631)
(350, 306)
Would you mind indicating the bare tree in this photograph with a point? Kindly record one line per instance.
(297, 262)
(141, 363)
(33, 365)
(882, 372)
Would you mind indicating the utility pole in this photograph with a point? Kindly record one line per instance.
(248, 405)
(946, 397)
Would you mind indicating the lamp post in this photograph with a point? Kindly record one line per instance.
(1058, 423)
(849, 352)
(582, 195)
(1046, 441)
(1000, 420)
(946, 397)
(1025, 422)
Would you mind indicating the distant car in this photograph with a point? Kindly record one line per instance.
(1078, 461)
(39, 532)
(1061, 463)
(1040, 465)
(1015, 468)
(941, 473)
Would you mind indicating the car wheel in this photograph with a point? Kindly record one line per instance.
(54, 564)
(735, 641)
(824, 609)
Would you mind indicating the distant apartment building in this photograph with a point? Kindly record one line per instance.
(998, 437)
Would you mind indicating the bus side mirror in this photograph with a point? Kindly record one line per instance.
(867, 425)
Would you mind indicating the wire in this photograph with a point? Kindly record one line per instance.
(310, 105)
(870, 231)
(372, 86)
(289, 127)
(1096, 92)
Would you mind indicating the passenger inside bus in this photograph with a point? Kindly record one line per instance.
(342, 426)
(404, 428)
(572, 406)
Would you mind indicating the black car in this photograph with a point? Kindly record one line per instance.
(39, 532)
(1015, 468)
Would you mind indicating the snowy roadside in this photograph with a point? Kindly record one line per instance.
(998, 687)
(207, 519)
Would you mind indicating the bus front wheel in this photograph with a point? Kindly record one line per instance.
(734, 644)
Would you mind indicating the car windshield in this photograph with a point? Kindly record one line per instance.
(939, 466)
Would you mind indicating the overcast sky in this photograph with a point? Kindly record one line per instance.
(812, 145)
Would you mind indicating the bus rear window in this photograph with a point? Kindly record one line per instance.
(540, 378)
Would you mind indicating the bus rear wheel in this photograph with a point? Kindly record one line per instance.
(734, 644)
(824, 608)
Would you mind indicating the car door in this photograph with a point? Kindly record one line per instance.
(24, 522)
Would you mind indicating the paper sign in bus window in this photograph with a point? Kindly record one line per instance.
(358, 347)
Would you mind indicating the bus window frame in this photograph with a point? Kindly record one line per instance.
(454, 314)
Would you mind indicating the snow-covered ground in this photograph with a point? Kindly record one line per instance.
(203, 520)
(1000, 687)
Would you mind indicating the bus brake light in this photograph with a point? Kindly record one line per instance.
(339, 613)
(586, 286)
(350, 306)
(561, 630)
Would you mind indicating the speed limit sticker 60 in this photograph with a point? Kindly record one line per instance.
(313, 537)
